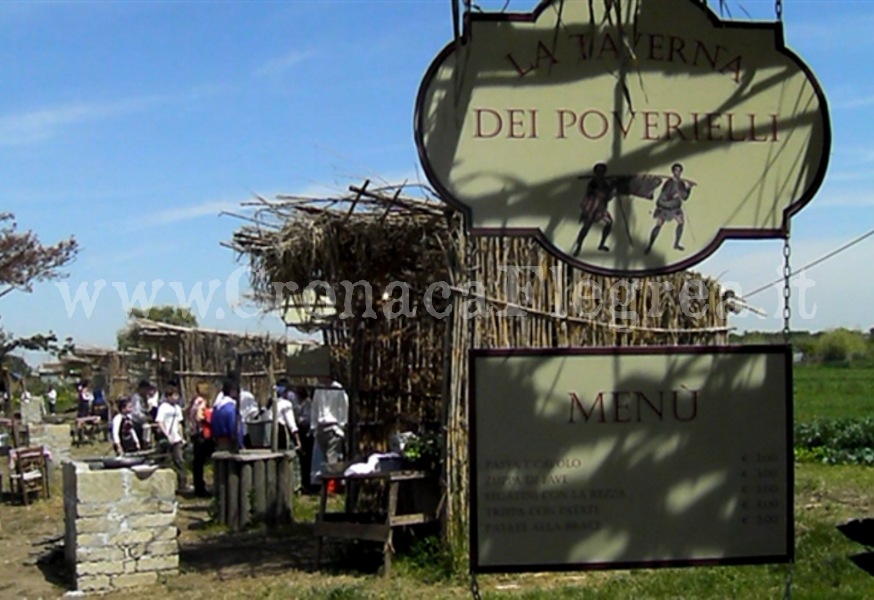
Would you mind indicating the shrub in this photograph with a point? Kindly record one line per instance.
(836, 441)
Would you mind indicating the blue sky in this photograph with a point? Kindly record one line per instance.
(133, 124)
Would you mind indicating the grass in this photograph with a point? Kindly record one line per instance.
(832, 392)
(825, 496)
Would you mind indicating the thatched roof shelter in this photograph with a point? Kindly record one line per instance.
(411, 371)
(191, 354)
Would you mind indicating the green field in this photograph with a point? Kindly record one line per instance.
(832, 392)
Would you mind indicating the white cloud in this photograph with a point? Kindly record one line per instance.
(37, 125)
(277, 66)
(186, 213)
(851, 103)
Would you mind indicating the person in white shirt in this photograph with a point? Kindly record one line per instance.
(169, 420)
(123, 434)
(329, 413)
(285, 412)
(52, 395)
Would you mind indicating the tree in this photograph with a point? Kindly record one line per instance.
(840, 346)
(24, 261)
(172, 315)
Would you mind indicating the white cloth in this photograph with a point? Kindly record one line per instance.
(169, 419)
(221, 399)
(153, 400)
(330, 406)
(52, 396)
(372, 464)
(249, 408)
(116, 430)
(285, 410)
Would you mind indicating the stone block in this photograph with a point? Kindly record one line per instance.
(130, 566)
(161, 484)
(96, 525)
(93, 584)
(100, 486)
(158, 563)
(170, 533)
(155, 520)
(167, 506)
(98, 554)
(135, 506)
(136, 550)
(104, 567)
(129, 538)
(162, 548)
(92, 540)
(134, 579)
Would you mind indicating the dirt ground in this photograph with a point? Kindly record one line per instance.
(32, 560)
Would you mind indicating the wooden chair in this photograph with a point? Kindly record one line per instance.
(31, 473)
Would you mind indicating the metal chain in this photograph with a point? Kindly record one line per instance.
(474, 587)
(778, 8)
(787, 291)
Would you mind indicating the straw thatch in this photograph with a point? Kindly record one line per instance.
(411, 371)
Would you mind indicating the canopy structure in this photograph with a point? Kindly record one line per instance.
(191, 354)
(349, 261)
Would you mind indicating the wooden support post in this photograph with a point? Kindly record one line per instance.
(353, 436)
(260, 484)
(221, 473)
(271, 384)
(320, 516)
(388, 549)
(237, 424)
(233, 495)
(246, 494)
(271, 490)
(285, 477)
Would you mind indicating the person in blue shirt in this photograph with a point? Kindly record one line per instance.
(224, 417)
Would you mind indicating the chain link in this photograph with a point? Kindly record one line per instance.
(474, 587)
(787, 290)
(778, 8)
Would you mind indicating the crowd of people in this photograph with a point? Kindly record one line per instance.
(311, 421)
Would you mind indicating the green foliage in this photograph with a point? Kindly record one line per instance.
(423, 449)
(836, 441)
(172, 315)
(428, 559)
(840, 346)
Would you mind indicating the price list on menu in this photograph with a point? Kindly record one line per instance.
(588, 460)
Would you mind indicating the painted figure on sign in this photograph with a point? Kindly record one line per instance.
(600, 191)
(593, 208)
(669, 206)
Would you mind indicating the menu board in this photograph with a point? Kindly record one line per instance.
(630, 457)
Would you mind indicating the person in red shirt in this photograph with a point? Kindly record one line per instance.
(200, 434)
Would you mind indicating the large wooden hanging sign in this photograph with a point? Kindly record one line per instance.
(632, 153)
(632, 457)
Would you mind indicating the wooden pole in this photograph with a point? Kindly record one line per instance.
(271, 386)
(237, 424)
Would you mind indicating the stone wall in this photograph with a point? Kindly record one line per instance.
(32, 410)
(120, 530)
(54, 437)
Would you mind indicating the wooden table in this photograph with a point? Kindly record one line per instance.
(378, 527)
